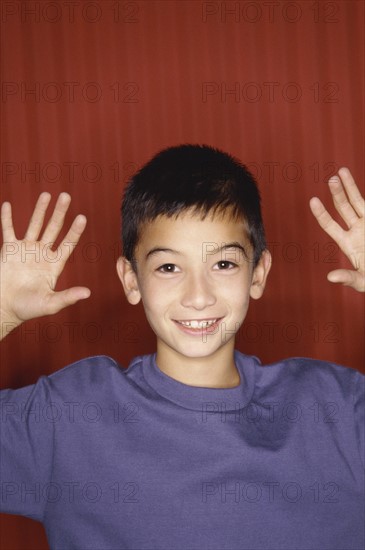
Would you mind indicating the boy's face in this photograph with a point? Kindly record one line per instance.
(195, 278)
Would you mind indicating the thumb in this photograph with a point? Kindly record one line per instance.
(64, 298)
(347, 277)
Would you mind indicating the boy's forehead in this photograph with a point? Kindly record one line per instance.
(190, 224)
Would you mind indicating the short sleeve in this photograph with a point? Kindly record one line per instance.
(26, 451)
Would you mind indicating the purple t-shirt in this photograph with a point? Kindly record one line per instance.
(111, 459)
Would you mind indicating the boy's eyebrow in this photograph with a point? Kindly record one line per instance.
(157, 249)
(234, 244)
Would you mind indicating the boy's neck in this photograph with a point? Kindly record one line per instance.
(215, 371)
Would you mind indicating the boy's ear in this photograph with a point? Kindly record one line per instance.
(260, 274)
(128, 277)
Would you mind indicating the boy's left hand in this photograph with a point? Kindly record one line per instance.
(351, 207)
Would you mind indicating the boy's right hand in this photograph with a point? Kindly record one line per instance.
(30, 268)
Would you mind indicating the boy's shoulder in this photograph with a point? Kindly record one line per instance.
(88, 366)
(301, 375)
(307, 365)
(94, 371)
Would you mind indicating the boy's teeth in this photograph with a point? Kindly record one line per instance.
(198, 324)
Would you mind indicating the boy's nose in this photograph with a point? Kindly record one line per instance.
(198, 293)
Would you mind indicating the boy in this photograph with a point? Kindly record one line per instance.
(209, 450)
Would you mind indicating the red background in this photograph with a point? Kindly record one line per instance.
(279, 85)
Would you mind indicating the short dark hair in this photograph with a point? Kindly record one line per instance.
(198, 177)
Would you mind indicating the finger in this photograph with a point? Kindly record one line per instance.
(55, 224)
(65, 298)
(357, 201)
(70, 241)
(341, 201)
(325, 220)
(7, 223)
(37, 219)
(348, 278)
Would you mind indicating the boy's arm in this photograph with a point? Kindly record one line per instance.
(30, 268)
(351, 206)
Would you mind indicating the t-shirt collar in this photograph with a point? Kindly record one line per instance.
(196, 398)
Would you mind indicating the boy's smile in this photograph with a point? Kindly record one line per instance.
(195, 278)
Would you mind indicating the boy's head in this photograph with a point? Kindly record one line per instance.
(194, 253)
(198, 178)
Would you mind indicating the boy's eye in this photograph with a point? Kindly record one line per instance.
(225, 264)
(167, 268)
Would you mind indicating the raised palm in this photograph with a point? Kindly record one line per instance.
(30, 267)
(351, 206)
